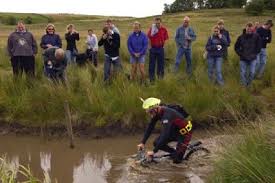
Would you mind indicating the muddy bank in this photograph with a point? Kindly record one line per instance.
(85, 130)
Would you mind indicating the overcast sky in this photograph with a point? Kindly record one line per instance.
(135, 8)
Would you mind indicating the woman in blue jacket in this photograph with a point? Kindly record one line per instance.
(137, 47)
(216, 47)
(50, 39)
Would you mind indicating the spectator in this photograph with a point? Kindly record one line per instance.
(248, 46)
(257, 25)
(71, 37)
(22, 49)
(92, 47)
(111, 26)
(55, 62)
(216, 46)
(224, 32)
(50, 39)
(266, 36)
(157, 35)
(137, 47)
(185, 35)
(111, 42)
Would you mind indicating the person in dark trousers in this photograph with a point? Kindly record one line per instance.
(71, 37)
(185, 35)
(92, 45)
(226, 34)
(175, 127)
(157, 35)
(266, 36)
(55, 63)
(50, 39)
(22, 48)
(248, 46)
(111, 42)
(215, 47)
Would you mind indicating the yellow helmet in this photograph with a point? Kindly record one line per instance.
(150, 103)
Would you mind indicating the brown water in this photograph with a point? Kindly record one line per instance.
(95, 161)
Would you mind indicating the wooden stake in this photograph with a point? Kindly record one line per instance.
(69, 123)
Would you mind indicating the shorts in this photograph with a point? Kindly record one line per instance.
(139, 60)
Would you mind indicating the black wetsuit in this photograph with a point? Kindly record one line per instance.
(174, 129)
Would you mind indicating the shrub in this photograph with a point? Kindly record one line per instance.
(255, 7)
(10, 20)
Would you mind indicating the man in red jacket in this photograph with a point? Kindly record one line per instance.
(157, 35)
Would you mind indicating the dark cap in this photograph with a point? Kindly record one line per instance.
(269, 22)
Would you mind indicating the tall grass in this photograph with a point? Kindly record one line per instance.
(251, 159)
(10, 174)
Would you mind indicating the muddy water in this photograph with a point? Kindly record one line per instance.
(98, 161)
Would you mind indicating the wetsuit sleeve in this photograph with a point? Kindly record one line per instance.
(149, 129)
(164, 136)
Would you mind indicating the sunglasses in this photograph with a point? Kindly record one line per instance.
(50, 29)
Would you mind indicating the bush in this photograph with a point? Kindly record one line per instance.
(255, 7)
(28, 20)
(10, 20)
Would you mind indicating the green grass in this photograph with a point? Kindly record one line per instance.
(251, 159)
(92, 101)
(9, 173)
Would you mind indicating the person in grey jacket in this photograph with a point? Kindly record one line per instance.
(185, 35)
(22, 48)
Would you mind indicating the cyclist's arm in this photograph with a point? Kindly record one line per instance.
(149, 129)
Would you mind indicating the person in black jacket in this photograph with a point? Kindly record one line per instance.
(248, 46)
(176, 127)
(111, 42)
(266, 37)
(71, 37)
(224, 32)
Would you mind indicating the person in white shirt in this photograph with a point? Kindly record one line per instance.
(92, 47)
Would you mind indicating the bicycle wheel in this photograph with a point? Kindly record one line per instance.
(196, 152)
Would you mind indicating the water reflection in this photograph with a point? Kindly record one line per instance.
(45, 164)
(92, 169)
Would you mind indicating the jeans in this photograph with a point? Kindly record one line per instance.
(188, 56)
(107, 66)
(156, 55)
(71, 56)
(215, 63)
(261, 62)
(92, 55)
(247, 71)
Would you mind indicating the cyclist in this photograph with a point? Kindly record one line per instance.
(176, 127)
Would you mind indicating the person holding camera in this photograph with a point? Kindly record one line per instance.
(216, 48)
(71, 37)
(111, 42)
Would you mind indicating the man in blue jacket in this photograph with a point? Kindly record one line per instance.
(185, 35)
(137, 47)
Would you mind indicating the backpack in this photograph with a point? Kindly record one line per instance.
(179, 109)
